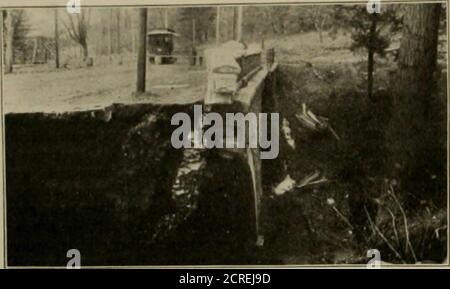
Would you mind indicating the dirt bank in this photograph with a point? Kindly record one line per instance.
(100, 181)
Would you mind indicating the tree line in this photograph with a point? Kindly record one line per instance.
(115, 30)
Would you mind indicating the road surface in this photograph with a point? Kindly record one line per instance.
(95, 87)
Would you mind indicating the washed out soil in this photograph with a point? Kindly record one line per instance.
(100, 181)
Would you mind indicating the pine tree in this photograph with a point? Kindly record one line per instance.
(369, 31)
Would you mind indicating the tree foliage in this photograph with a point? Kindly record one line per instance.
(371, 32)
(203, 17)
(358, 22)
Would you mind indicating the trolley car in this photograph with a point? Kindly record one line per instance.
(161, 46)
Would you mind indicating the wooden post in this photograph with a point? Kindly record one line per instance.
(56, 39)
(142, 52)
(218, 26)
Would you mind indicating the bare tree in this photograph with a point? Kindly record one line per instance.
(203, 17)
(110, 28)
(118, 32)
(78, 29)
(320, 17)
(9, 36)
(14, 30)
(56, 39)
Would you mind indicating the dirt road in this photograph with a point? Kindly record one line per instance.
(88, 88)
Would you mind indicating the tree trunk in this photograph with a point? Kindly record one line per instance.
(142, 61)
(408, 135)
(2, 31)
(133, 32)
(119, 45)
(84, 46)
(110, 40)
(45, 55)
(218, 26)
(370, 60)
(56, 39)
(9, 37)
(35, 49)
(319, 30)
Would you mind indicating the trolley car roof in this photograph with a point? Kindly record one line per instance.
(163, 32)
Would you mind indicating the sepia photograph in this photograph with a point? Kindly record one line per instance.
(247, 134)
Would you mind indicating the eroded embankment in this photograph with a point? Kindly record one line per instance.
(99, 181)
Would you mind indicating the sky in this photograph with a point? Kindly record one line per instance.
(41, 20)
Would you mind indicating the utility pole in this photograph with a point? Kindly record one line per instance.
(239, 14)
(56, 39)
(166, 18)
(142, 52)
(218, 26)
